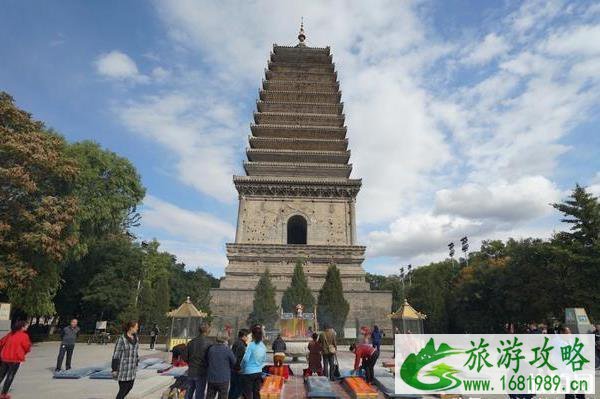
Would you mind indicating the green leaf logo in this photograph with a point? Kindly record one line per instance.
(413, 364)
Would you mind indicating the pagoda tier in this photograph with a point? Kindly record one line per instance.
(298, 144)
(301, 132)
(301, 75)
(299, 126)
(306, 108)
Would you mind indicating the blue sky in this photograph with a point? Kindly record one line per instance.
(464, 117)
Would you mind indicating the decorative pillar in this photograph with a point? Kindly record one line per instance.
(238, 230)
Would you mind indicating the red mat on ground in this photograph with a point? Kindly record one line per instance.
(359, 389)
(272, 387)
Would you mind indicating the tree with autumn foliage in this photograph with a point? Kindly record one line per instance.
(37, 208)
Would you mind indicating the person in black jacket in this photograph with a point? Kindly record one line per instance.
(279, 349)
(220, 360)
(196, 360)
(239, 349)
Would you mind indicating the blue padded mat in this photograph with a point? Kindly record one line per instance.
(175, 371)
(158, 366)
(386, 386)
(75, 374)
(149, 362)
(319, 387)
(105, 374)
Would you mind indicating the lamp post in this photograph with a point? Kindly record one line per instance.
(465, 247)
(410, 275)
(402, 278)
(451, 252)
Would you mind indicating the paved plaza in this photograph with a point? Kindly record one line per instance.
(34, 379)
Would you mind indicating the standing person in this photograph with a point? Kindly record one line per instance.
(13, 348)
(329, 345)
(196, 360)
(314, 355)
(153, 336)
(279, 348)
(125, 358)
(252, 364)
(68, 337)
(376, 337)
(222, 361)
(239, 349)
(365, 357)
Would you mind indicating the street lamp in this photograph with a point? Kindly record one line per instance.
(410, 275)
(402, 278)
(465, 247)
(451, 251)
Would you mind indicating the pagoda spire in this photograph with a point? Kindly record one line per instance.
(301, 35)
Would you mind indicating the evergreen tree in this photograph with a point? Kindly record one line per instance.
(264, 307)
(298, 292)
(582, 211)
(332, 307)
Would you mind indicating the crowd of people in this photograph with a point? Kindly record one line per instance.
(215, 368)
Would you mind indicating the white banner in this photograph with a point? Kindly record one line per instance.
(494, 364)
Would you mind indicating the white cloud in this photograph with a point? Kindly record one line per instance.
(535, 14)
(491, 47)
(527, 198)
(422, 233)
(194, 226)
(580, 40)
(419, 114)
(159, 73)
(199, 133)
(594, 186)
(119, 66)
(195, 237)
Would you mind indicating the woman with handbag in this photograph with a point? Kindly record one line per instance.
(327, 341)
(125, 359)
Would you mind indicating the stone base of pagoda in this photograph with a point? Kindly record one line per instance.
(367, 308)
(233, 299)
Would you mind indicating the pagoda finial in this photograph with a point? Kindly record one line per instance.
(301, 35)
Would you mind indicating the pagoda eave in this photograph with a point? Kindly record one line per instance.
(291, 131)
(298, 143)
(296, 169)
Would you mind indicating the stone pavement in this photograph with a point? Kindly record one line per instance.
(34, 378)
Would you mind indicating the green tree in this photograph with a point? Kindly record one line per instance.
(582, 246)
(193, 283)
(332, 307)
(298, 292)
(112, 291)
(108, 188)
(37, 209)
(153, 302)
(430, 292)
(264, 307)
(582, 211)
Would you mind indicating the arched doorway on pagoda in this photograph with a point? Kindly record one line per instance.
(296, 230)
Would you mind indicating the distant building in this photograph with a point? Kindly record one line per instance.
(297, 200)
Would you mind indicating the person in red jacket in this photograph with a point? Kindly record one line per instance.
(13, 348)
(365, 356)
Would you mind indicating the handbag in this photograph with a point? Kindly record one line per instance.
(336, 367)
(330, 347)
